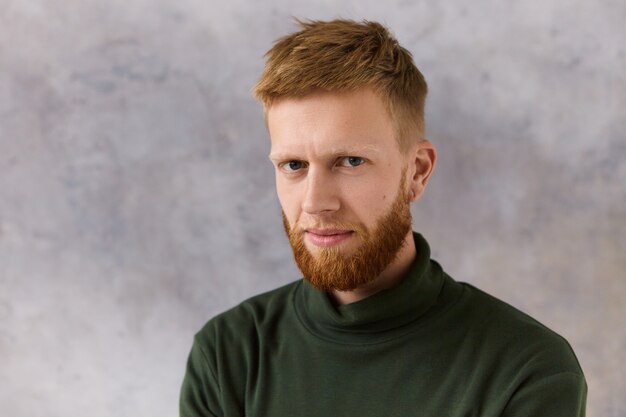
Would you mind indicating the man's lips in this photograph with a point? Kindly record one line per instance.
(327, 237)
(328, 232)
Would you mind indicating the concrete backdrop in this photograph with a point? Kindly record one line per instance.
(137, 201)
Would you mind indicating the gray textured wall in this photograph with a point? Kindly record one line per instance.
(136, 199)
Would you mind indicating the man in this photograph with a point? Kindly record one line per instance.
(375, 328)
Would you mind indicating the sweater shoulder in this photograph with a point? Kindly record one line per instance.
(249, 315)
(506, 328)
(500, 315)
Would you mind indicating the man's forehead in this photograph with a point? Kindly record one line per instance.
(329, 124)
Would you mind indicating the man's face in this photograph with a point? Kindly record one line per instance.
(340, 181)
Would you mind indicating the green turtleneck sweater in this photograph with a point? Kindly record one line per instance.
(429, 346)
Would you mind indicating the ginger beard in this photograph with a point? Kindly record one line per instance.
(330, 270)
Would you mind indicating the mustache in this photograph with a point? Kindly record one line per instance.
(300, 226)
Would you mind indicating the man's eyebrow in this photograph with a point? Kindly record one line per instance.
(281, 156)
(335, 152)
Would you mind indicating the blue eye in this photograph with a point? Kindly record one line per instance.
(352, 161)
(292, 166)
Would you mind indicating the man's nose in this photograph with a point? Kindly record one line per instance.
(320, 195)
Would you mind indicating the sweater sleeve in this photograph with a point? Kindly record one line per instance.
(559, 395)
(199, 395)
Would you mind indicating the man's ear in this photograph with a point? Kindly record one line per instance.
(422, 164)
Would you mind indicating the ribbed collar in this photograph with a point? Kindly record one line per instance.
(377, 318)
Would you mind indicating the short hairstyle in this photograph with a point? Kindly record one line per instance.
(343, 55)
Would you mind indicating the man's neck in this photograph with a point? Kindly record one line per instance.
(390, 277)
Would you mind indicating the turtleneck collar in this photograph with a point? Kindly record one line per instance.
(379, 317)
